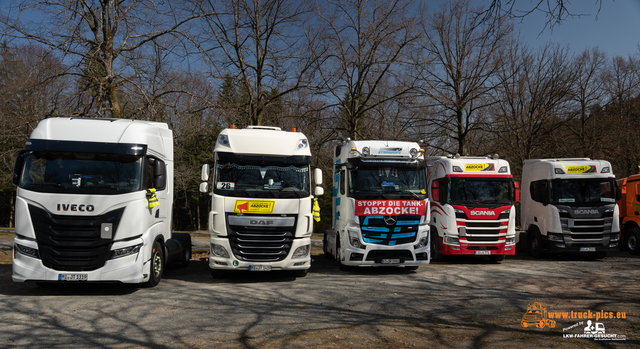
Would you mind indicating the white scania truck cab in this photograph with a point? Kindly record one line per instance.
(380, 206)
(569, 205)
(261, 210)
(94, 203)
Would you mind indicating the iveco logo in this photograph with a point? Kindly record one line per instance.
(481, 213)
(586, 212)
(76, 207)
(260, 222)
(390, 220)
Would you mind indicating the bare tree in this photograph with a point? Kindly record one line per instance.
(556, 11)
(464, 48)
(365, 49)
(257, 47)
(92, 35)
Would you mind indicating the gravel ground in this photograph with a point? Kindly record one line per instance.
(468, 302)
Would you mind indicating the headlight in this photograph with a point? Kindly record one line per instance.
(556, 237)
(451, 240)
(510, 241)
(219, 251)
(422, 243)
(302, 144)
(354, 240)
(224, 140)
(615, 237)
(366, 151)
(301, 252)
(413, 152)
(27, 251)
(123, 252)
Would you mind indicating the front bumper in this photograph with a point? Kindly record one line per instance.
(232, 263)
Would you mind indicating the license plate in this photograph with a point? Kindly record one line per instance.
(73, 277)
(260, 267)
(390, 261)
(483, 252)
(587, 249)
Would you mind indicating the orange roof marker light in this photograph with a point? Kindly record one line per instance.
(232, 126)
(293, 129)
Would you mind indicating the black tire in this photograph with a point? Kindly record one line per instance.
(535, 245)
(412, 267)
(631, 241)
(497, 258)
(185, 240)
(300, 273)
(156, 265)
(436, 255)
(324, 247)
(598, 255)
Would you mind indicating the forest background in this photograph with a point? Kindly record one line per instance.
(457, 77)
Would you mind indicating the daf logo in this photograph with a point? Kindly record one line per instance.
(586, 212)
(390, 220)
(75, 207)
(260, 222)
(481, 213)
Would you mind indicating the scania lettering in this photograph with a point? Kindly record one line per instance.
(569, 205)
(94, 203)
(261, 212)
(472, 207)
(380, 210)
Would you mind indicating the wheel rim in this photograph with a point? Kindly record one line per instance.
(632, 243)
(534, 244)
(157, 264)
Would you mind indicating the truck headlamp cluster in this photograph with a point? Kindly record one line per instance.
(615, 237)
(354, 240)
(605, 170)
(510, 241)
(451, 240)
(559, 171)
(503, 169)
(366, 151)
(123, 252)
(303, 143)
(301, 252)
(457, 169)
(422, 243)
(556, 237)
(27, 251)
(224, 140)
(219, 251)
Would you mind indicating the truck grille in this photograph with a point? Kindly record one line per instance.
(389, 230)
(261, 244)
(483, 231)
(73, 243)
(586, 232)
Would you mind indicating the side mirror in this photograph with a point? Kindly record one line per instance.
(516, 186)
(204, 187)
(18, 165)
(204, 175)
(618, 194)
(159, 175)
(435, 190)
(317, 176)
(317, 191)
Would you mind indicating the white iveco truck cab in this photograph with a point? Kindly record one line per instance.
(472, 207)
(261, 218)
(380, 206)
(94, 202)
(569, 205)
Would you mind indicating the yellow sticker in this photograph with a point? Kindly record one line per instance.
(254, 206)
(478, 167)
(581, 169)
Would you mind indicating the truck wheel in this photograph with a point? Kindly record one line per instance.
(498, 258)
(156, 266)
(631, 240)
(300, 273)
(185, 241)
(598, 255)
(436, 256)
(535, 245)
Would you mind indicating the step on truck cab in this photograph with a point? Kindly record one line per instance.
(94, 203)
(472, 206)
(629, 206)
(380, 208)
(569, 205)
(261, 210)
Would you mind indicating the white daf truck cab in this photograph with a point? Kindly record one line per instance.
(380, 213)
(569, 205)
(262, 196)
(472, 206)
(94, 203)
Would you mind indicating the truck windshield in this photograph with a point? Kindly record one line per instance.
(81, 173)
(579, 192)
(480, 191)
(388, 180)
(262, 180)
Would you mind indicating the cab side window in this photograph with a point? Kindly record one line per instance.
(539, 191)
